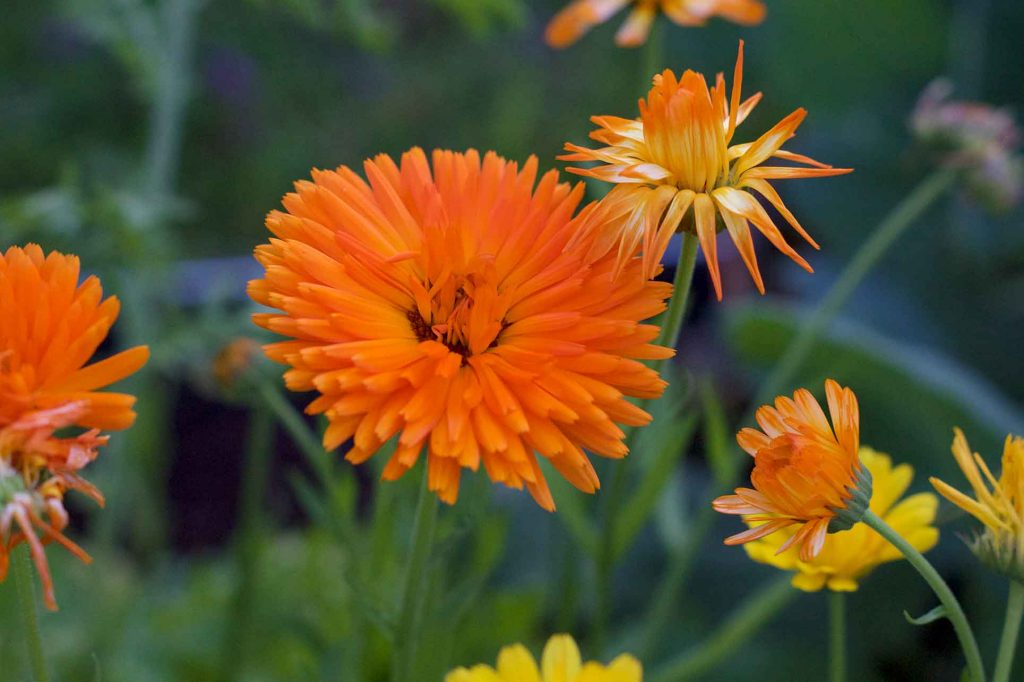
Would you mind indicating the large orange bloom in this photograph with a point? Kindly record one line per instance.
(677, 156)
(806, 472)
(445, 307)
(580, 16)
(51, 327)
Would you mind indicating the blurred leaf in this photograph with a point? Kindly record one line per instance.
(721, 455)
(359, 20)
(910, 397)
(935, 614)
(481, 17)
(675, 438)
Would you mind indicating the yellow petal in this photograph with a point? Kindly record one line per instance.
(561, 659)
(516, 664)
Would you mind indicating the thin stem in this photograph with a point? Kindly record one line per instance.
(755, 612)
(296, 426)
(895, 224)
(837, 636)
(255, 474)
(672, 324)
(651, 59)
(29, 619)
(1011, 628)
(955, 614)
(413, 598)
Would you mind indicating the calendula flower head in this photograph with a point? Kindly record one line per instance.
(998, 504)
(234, 360)
(807, 473)
(36, 469)
(51, 327)
(675, 170)
(580, 16)
(449, 307)
(847, 557)
(978, 138)
(560, 662)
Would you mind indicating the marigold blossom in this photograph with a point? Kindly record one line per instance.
(998, 504)
(848, 556)
(52, 325)
(450, 308)
(806, 472)
(580, 16)
(675, 170)
(560, 662)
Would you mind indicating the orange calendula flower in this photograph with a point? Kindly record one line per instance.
(580, 16)
(51, 327)
(675, 170)
(806, 472)
(449, 307)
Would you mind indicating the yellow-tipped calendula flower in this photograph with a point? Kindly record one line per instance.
(998, 504)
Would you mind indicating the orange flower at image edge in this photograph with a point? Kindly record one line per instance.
(580, 16)
(677, 157)
(448, 304)
(51, 328)
(806, 472)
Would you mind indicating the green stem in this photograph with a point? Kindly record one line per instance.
(954, 612)
(413, 597)
(672, 324)
(296, 426)
(255, 475)
(837, 636)
(755, 612)
(1011, 628)
(27, 603)
(652, 56)
(895, 224)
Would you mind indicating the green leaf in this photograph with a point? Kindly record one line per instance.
(930, 617)
(722, 457)
(675, 440)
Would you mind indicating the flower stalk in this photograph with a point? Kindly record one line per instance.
(894, 226)
(954, 612)
(756, 611)
(837, 636)
(1011, 628)
(29, 619)
(414, 597)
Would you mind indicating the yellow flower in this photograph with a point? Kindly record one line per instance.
(1001, 544)
(560, 662)
(848, 556)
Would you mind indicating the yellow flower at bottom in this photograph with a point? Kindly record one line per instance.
(560, 662)
(848, 556)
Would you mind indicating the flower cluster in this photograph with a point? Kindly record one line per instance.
(980, 139)
(849, 555)
(52, 326)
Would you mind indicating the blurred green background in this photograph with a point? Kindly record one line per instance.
(151, 138)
